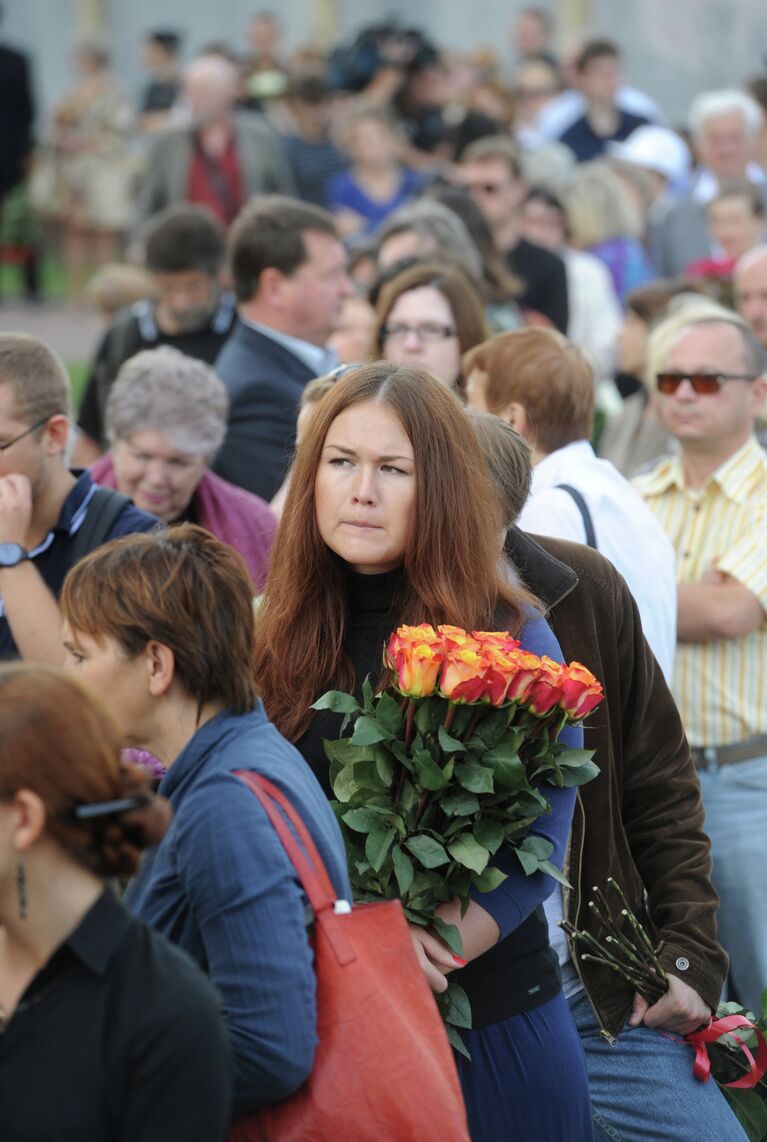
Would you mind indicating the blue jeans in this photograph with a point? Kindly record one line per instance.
(735, 799)
(643, 1089)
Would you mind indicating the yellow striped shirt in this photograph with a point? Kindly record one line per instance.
(720, 686)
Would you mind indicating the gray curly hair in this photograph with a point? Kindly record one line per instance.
(163, 390)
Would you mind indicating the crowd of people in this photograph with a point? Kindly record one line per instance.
(392, 336)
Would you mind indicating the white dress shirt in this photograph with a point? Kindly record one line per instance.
(627, 533)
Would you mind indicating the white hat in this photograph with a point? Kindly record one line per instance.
(655, 149)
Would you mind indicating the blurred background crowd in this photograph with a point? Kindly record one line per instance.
(585, 181)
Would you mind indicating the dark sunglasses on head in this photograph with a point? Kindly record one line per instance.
(704, 384)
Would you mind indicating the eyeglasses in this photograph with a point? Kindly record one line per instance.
(704, 384)
(26, 432)
(485, 187)
(427, 331)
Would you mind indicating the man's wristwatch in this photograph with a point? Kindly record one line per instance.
(11, 554)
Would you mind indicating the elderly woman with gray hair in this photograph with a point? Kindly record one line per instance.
(166, 420)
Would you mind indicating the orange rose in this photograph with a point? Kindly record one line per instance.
(546, 691)
(456, 638)
(521, 668)
(498, 639)
(581, 691)
(414, 655)
(463, 676)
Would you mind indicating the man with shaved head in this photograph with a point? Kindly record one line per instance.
(221, 159)
(750, 281)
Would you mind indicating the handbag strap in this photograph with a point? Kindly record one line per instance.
(307, 862)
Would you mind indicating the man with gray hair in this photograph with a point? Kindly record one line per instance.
(49, 517)
(750, 282)
(725, 128)
(711, 499)
(219, 160)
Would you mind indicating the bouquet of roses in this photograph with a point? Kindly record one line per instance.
(732, 1048)
(447, 764)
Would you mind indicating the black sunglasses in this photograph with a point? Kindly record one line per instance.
(704, 384)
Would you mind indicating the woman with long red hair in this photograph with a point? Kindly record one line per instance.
(390, 519)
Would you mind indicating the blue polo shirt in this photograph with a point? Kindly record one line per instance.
(53, 557)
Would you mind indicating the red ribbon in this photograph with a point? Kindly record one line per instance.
(715, 1029)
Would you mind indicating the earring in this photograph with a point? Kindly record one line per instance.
(21, 887)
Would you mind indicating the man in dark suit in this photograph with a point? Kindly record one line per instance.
(18, 112)
(289, 272)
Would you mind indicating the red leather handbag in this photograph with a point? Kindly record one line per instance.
(384, 1069)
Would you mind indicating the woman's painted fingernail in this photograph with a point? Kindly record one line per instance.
(461, 963)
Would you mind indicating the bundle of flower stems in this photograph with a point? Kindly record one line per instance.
(625, 947)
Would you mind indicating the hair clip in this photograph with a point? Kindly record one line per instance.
(107, 808)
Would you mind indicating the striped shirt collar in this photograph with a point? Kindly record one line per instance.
(735, 477)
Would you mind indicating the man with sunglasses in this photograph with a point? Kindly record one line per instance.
(711, 498)
(44, 507)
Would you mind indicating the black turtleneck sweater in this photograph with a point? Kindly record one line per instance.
(520, 972)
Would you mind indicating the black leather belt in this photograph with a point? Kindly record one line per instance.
(711, 756)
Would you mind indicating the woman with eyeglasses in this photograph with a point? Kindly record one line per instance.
(106, 1030)
(429, 316)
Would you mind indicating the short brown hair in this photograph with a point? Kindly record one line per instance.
(507, 459)
(494, 147)
(269, 233)
(596, 49)
(539, 369)
(59, 742)
(37, 376)
(181, 587)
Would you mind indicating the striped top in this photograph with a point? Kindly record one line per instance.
(721, 685)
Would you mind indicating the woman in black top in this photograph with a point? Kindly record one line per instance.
(107, 1033)
(390, 519)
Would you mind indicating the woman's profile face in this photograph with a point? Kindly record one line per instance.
(420, 330)
(120, 682)
(364, 491)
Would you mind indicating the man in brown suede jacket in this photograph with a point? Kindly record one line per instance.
(641, 822)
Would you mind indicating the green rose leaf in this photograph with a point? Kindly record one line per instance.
(429, 852)
(489, 834)
(533, 852)
(552, 870)
(388, 715)
(469, 853)
(475, 777)
(488, 880)
(384, 766)
(457, 1005)
(574, 757)
(338, 702)
(364, 820)
(579, 775)
(403, 869)
(367, 695)
(508, 772)
(367, 731)
(490, 730)
(345, 753)
(447, 743)
(344, 785)
(449, 934)
(422, 717)
(377, 846)
(427, 772)
(460, 804)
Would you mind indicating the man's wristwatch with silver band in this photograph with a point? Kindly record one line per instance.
(12, 554)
